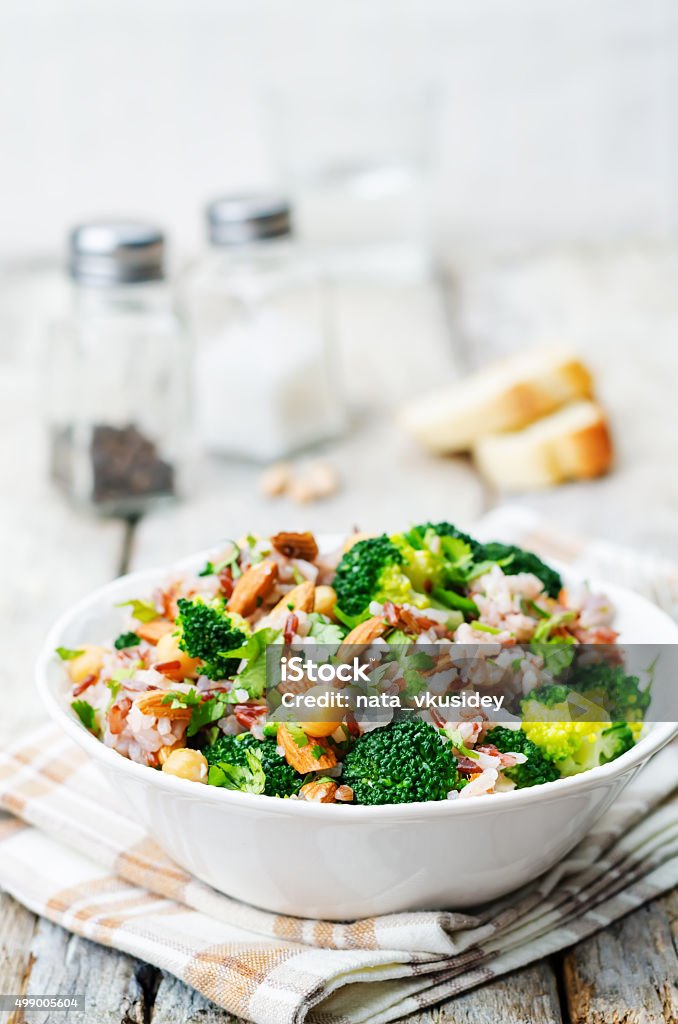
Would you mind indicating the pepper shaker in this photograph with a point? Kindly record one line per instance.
(118, 374)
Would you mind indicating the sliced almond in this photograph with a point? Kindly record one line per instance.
(319, 792)
(252, 587)
(151, 703)
(301, 758)
(298, 599)
(344, 794)
(411, 623)
(154, 631)
(296, 545)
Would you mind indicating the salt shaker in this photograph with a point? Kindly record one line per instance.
(258, 316)
(118, 374)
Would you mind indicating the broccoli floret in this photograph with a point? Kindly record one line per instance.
(206, 631)
(549, 696)
(281, 779)
(521, 561)
(537, 769)
(416, 535)
(577, 746)
(609, 686)
(371, 571)
(404, 762)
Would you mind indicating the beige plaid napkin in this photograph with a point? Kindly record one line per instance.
(69, 852)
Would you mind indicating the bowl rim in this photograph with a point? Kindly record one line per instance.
(658, 735)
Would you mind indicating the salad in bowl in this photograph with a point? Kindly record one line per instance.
(182, 688)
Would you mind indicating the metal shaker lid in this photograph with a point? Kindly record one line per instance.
(236, 220)
(109, 252)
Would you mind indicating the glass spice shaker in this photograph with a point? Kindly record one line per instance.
(118, 382)
(258, 315)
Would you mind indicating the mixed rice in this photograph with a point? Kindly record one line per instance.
(182, 688)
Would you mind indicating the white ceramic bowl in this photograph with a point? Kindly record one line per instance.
(339, 862)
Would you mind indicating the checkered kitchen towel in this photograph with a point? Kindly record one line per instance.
(70, 853)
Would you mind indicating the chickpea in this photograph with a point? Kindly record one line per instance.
(89, 663)
(168, 649)
(354, 539)
(323, 727)
(324, 601)
(187, 764)
(319, 730)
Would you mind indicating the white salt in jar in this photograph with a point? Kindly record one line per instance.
(257, 311)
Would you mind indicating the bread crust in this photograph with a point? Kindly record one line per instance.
(531, 459)
(455, 419)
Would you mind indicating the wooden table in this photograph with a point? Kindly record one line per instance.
(621, 308)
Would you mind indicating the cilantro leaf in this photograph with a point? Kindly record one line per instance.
(127, 640)
(144, 611)
(208, 711)
(558, 653)
(68, 653)
(87, 715)
(213, 569)
(250, 779)
(324, 631)
(252, 678)
(179, 699)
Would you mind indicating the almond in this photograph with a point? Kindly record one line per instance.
(153, 631)
(362, 634)
(367, 631)
(252, 587)
(151, 703)
(296, 545)
(411, 623)
(319, 792)
(301, 758)
(298, 599)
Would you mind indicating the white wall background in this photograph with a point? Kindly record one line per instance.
(557, 116)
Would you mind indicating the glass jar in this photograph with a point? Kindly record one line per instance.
(258, 316)
(118, 375)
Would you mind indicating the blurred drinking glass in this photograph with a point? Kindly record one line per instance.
(358, 168)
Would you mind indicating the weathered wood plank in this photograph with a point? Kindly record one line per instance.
(16, 936)
(176, 1002)
(669, 905)
(529, 996)
(627, 973)
(117, 989)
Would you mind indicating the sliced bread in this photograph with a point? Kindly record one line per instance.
(506, 396)
(571, 444)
